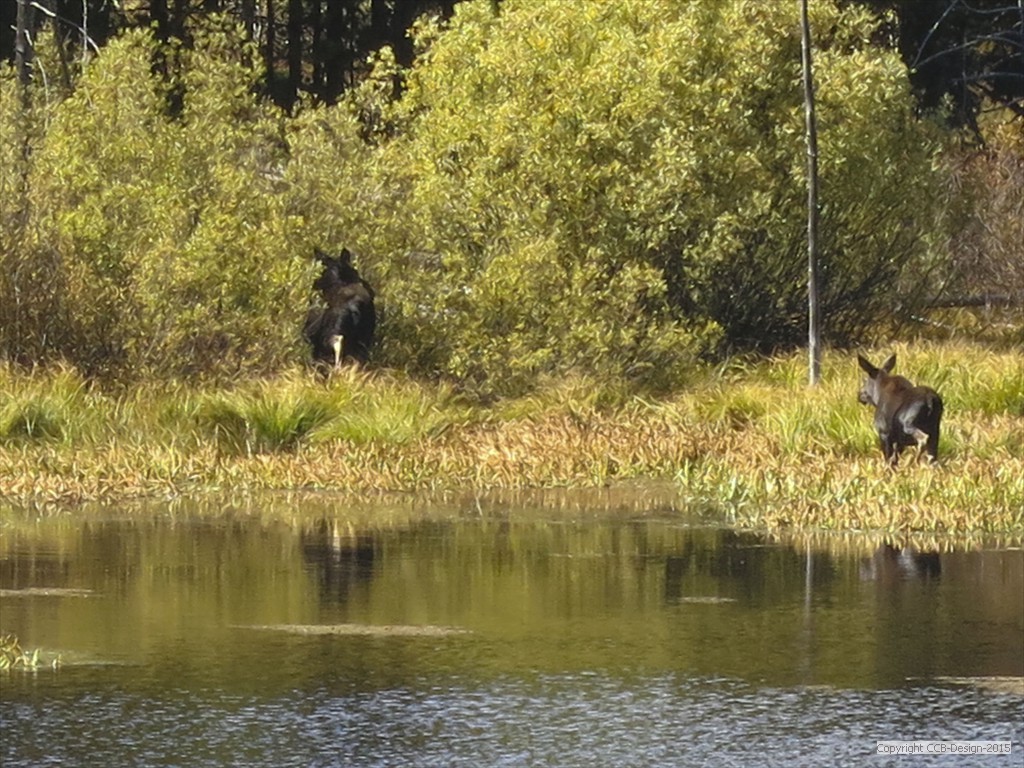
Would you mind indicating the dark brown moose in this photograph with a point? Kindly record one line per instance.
(344, 328)
(905, 415)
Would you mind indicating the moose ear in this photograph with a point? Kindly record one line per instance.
(345, 257)
(866, 366)
(889, 364)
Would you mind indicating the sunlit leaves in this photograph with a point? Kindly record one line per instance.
(169, 228)
(608, 186)
(13, 656)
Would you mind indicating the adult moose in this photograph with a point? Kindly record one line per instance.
(905, 414)
(344, 328)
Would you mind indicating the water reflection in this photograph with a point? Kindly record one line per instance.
(341, 558)
(890, 564)
(574, 625)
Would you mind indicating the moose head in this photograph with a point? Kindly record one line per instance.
(338, 273)
(905, 415)
(344, 328)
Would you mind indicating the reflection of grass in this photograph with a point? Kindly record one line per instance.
(1010, 685)
(13, 656)
(748, 440)
(364, 630)
(46, 592)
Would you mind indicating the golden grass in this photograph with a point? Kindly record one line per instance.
(750, 443)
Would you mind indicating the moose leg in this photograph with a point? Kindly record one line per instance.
(920, 438)
(909, 421)
(890, 448)
(336, 344)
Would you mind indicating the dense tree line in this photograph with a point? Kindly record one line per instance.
(317, 47)
(966, 52)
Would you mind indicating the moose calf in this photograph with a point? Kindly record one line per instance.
(905, 415)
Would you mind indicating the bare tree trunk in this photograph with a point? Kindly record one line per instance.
(247, 13)
(316, 28)
(269, 48)
(813, 311)
(296, 20)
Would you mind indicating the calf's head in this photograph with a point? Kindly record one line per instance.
(870, 390)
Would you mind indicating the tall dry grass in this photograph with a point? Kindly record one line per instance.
(748, 441)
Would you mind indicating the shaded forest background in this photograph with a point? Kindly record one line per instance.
(969, 53)
(315, 47)
(533, 187)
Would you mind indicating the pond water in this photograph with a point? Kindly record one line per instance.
(492, 635)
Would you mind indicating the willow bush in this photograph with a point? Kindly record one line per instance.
(156, 240)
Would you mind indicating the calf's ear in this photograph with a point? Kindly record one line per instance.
(889, 364)
(866, 366)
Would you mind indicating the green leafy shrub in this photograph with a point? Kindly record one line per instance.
(612, 188)
(618, 186)
(167, 248)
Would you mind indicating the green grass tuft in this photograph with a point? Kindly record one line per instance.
(264, 418)
(52, 407)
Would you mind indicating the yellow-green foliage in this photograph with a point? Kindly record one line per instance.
(609, 187)
(389, 409)
(13, 656)
(159, 242)
(52, 406)
(801, 457)
(354, 408)
(264, 416)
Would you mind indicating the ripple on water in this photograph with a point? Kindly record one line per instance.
(581, 719)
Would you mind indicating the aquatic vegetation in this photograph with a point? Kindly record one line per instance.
(47, 407)
(386, 408)
(263, 418)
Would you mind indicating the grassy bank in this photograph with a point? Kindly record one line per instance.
(749, 440)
